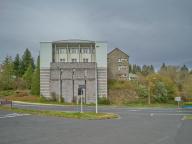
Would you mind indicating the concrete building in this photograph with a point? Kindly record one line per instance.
(118, 65)
(67, 66)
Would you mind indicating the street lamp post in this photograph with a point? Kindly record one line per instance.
(60, 83)
(85, 77)
(96, 102)
(73, 73)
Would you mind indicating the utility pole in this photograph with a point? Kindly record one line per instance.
(149, 95)
(96, 105)
(60, 83)
(73, 73)
(81, 100)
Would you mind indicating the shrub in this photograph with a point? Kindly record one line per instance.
(103, 101)
(142, 91)
(6, 93)
(161, 94)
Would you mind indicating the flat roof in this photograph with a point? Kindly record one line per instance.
(75, 41)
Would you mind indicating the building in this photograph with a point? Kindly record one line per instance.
(118, 65)
(69, 68)
(133, 76)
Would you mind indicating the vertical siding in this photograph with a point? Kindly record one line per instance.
(45, 82)
(102, 82)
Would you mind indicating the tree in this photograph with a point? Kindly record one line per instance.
(35, 87)
(146, 70)
(17, 66)
(160, 92)
(27, 60)
(28, 76)
(6, 76)
(163, 67)
(184, 68)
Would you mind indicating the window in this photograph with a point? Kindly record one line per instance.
(85, 50)
(122, 68)
(122, 59)
(62, 60)
(62, 50)
(85, 60)
(73, 60)
(57, 51)
(74, 50)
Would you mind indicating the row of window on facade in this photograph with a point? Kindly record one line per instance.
(75, 50)
(122, 68)
(74, 60)
(122, 60)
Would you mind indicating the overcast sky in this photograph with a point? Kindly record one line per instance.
(150, 31)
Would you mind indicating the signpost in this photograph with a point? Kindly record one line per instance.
(80, 93)
(178, 99)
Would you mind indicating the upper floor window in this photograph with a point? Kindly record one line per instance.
(85, 50)
(85, 60)
(62, 60)
(122, 68)
(122, 59)
(62, 50)
(73, 60)
(74, 50)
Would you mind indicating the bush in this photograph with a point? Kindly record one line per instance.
(161, 94)
(103, 101)
(6, 93)
(142, 91)
(120, 84)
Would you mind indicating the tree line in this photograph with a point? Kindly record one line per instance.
(150, 86)
(162, 86)
(21, 73)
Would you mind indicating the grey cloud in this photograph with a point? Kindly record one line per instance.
(150, 31)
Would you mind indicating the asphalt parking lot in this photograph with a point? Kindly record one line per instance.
(135, 126)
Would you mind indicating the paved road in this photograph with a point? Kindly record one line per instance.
(136, 126)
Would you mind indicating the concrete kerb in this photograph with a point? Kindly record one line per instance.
(101, 106)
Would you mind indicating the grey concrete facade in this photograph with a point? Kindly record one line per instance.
(70, 76)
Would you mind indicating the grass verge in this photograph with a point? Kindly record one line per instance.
(73, 115)
(153, 105)
(188, 117)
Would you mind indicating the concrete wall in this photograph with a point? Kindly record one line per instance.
(79, 78)
(45, 60)
(101, 59)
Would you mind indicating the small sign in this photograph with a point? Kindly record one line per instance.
(178, 99)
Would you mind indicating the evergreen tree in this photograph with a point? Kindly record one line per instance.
(17, 66)
(6, 77)
(163, 67)
(35, 87)
(184, 68)
(145, 70)
(152, 69)
(27, 60)
(130, 68)
(28, 76)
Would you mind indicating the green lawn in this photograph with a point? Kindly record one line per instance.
(73, 115)
(153, 105)
(188, 117)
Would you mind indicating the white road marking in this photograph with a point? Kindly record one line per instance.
(151, 114)
(134, 110)
(13, 115)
